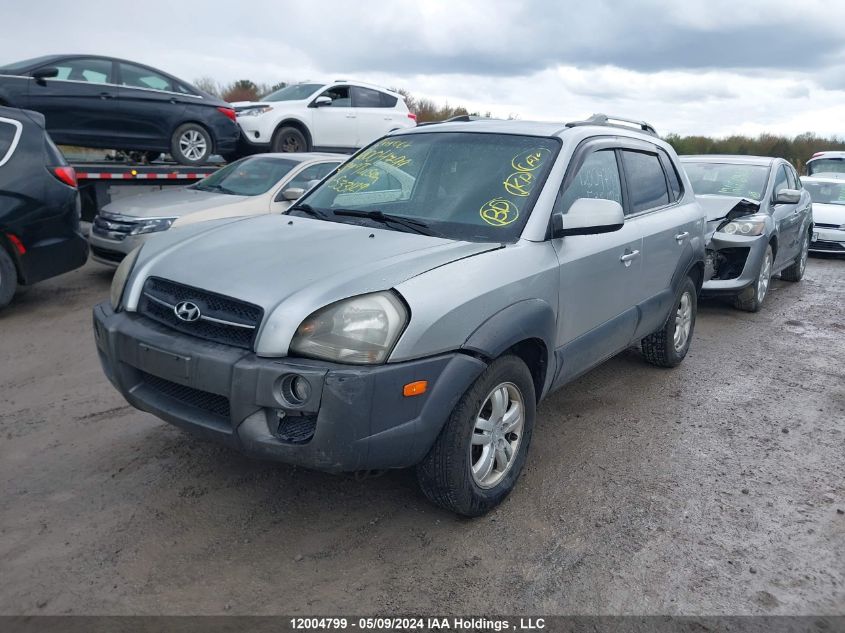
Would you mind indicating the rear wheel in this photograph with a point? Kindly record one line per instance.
(668, 346)
(289, 139)
(795, 271)
(190, 144)
(480, 452)
(8, 278)
(751, 299)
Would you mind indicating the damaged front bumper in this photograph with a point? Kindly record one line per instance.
(733, 263)
(827, 240)
(352, 418)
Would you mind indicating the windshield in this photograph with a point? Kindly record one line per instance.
(826, 192)
(826, 166)
(726, 179)
(463, 186)
(26, 63)
(250, 176)
(296, 92)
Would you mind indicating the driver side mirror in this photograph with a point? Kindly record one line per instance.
(320, 102)
(788, 196)
(589, 216)
(293, 193)
(43, 73)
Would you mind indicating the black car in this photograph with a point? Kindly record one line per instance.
(40, 235)
(108, 103)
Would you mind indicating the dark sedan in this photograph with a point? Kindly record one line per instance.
(40, 235)
(107, 103)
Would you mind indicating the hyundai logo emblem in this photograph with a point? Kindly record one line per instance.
(187, 311)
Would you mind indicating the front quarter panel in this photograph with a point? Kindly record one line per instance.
(450, 303)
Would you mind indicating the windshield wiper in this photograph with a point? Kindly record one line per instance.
(307, 208)
(219, 188)
(385, 218)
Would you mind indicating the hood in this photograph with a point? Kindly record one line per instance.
(829, 213)
(292, 266)
(171, 203)
(718, 207)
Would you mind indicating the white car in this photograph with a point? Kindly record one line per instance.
(828, 194)
(255, 185)
(337, 116)
(827, 164)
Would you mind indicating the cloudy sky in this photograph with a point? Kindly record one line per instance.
(710, 67)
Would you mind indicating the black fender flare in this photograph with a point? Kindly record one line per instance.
(529, 319)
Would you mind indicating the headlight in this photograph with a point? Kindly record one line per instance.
(752, 225)
(118, 282)
(361, 330)
(153, 225)
(255, 111)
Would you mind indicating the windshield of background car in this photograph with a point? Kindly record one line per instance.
(826, 192)
(26, 63)
(247, 177)
(463, 186)
(296, 92)
(726, 179)
(826, 166)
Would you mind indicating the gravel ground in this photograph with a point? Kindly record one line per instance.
(714, 488)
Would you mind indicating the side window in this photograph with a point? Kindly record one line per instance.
(313, 172)
(138, 77)
(95, 71)
(672, 177)
(792, 177)
(598, 177)
(781, 181)
(339, 96)
(646, 181)
(365, 98)
(388, 101)
(9, 132)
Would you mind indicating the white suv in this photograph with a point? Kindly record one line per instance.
(337, 116)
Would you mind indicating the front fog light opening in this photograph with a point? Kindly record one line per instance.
(295, 390)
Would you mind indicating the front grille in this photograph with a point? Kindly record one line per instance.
(210, 402)
(223, 319)
(104, 253)
(112, 227)
(834, 247)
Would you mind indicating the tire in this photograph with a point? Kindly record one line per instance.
(751, 299)
(795, 271)
(669, 345)
(445, 474)
(8, 278)
(191, 144)
(288, 139)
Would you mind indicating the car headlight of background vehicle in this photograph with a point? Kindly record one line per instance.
(153, 225)
(118, 282)
(255, 111)
(361, 330)
(751, 225)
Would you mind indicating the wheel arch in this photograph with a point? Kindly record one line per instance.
(297, 124)
(208, 131)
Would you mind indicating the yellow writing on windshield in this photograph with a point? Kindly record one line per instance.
(519, 183)
(499, 212)
(531, 159)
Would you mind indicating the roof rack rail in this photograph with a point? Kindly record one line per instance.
(459, 118)
(614, 121)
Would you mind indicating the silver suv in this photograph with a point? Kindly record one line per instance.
(415, 306)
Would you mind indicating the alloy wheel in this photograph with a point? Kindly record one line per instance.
(765, 276)
(683, 321)
(192, 145)
(497, 435)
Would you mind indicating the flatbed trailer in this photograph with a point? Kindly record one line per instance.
(102, 182)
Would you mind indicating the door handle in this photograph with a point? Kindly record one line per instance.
(106, 95)
(627, 258)
(350, 116)
(682, 236)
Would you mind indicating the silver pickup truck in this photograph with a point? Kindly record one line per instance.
(414, 307)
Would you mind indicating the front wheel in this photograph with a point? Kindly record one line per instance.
(480, 452)
(751, 299)
(795, 271)
(668, 346)
(190, 144)
(289, 139)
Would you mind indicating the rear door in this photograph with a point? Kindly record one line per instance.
(375, 119)
(335, 125)
(80, 103)
(599, 274)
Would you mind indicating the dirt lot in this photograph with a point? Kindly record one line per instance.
(715, 488)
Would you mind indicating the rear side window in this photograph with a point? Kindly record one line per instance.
(95, 71)
(10, 132)
(387, 101)
(598, 177)
(365, 98)
(139, 77)
(646, 181)
(671, 176)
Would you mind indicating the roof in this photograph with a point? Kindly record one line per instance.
(731, 159)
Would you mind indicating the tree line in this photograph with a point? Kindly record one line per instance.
(795, 149)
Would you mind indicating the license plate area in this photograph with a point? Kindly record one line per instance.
(159, 362)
